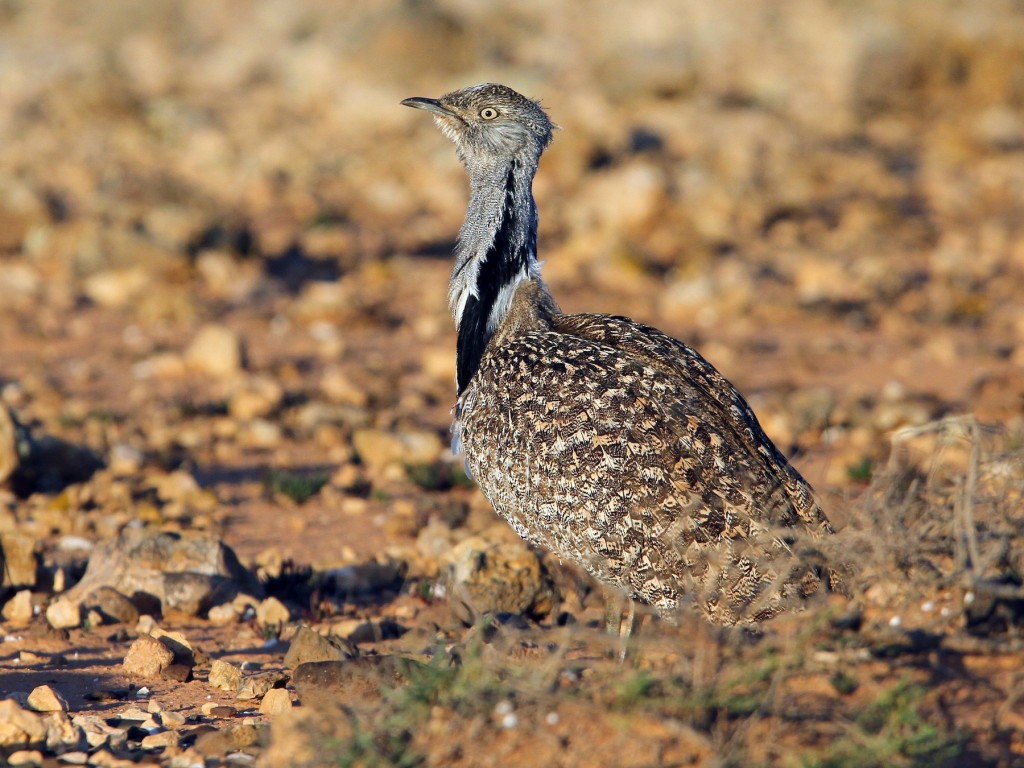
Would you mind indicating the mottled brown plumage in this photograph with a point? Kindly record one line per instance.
(598, 438)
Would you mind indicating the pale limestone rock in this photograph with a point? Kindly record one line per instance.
(216, 350)
(256, 686)
(25, 758)
(259, 396)
(19, 726)
(162, 739)
(61, 732)
(377, 448)
(223, 614)
(19, 557)
(276, 701)
(225, 676)
(64, 613)
(147, 657)
(172, 719)
(45, 699)
(271, 613)
(116, 287)
(18, 610)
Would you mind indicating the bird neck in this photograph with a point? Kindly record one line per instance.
(497, 250)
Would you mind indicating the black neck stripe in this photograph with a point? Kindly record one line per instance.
(507, 256)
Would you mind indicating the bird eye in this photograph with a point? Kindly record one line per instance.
(488, 113)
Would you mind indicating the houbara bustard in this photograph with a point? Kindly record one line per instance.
(603, 440)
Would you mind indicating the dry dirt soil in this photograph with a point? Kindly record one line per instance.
(224, 251)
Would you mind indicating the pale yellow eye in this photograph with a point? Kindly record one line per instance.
(488, 113)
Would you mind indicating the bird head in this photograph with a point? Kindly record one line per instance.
(490, 123)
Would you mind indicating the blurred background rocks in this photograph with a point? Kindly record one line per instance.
(224, 250)
(224, 245)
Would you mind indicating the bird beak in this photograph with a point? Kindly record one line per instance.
(430, 105)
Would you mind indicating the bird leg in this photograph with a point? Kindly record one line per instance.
(614, 605)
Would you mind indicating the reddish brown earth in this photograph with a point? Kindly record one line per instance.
(825, 199)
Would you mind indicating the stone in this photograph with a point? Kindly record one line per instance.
(134, 713)
(213, 743)
(147, 658)
(276, 701)
(18, 610)
(172, 719)
(216, 350)
(300, 736)
(64, 613)
(113, 607)
(231, 739)
(338, 387)
(309, 645)
(193, 593)
(222, 615)
(19, 727)
(180, 646)
(186, 571)
(61, 732)
(256, 686)
(179, 485)
(180, 673)
(213, 709)
(272, 613)
(95, 729)
(259, 396)
(116, 287)
(377, 448)
(225, 676)
(107, 759)
(322, 682)
(19, 556)
(497, 576)
(44, 699)
(158, 740)
(25, 758)
(125, 460)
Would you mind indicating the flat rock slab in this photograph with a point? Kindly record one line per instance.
(188, 571)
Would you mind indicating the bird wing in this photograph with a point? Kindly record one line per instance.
(732, 414)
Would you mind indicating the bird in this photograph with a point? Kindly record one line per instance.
(602, 440)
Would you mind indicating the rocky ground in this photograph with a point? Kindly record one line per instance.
(231, 527)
